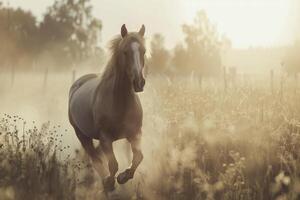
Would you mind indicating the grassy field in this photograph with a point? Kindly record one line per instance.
(199, 142)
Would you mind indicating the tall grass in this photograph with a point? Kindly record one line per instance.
(199, 143)
(29, 167)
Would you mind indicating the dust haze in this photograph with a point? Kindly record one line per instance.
(221, 119)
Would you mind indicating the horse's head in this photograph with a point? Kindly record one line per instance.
(132, 55)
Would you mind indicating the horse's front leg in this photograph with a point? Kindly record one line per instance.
(136, 160)
(109, 181)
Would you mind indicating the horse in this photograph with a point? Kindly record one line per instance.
(107, 107)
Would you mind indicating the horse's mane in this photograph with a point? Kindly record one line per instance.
(114, 46)
(114, 51)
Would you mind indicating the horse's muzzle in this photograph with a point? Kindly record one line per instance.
(138, 84)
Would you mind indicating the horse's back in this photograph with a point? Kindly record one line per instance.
(79, 82)
(80, 103)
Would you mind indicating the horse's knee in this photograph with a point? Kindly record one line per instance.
(141, 156)
(138, 156)
(113, 166)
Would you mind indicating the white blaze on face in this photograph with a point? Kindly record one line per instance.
(136, 56)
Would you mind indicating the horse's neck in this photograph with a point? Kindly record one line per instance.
(121, 84)
(117, 82)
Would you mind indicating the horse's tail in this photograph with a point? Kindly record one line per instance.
(79, 82)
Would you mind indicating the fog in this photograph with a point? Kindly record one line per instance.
(221, 101)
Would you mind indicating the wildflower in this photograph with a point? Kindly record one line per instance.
(286, 180)
(219, 186)
(279, 177)
(282, 178)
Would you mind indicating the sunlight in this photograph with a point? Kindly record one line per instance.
(149, 99)
(247, 23)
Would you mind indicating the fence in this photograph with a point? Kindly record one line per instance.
(276, 81)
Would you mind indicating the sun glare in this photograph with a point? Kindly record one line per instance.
(247, 23)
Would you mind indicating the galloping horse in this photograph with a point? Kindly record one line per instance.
(107, 108)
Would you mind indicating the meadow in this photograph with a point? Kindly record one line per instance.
(201, 140)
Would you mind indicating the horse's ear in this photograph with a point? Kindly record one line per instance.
(123, 31)
(142, 31)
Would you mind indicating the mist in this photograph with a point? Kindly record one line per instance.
(221, 112)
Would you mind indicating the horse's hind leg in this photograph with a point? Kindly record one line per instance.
(87, 144)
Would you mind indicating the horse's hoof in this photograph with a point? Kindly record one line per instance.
(125, 176)
(109, 183)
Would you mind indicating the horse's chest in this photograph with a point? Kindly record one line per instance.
(132, 120)
(121, 123)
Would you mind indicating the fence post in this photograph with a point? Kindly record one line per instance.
(73, 75)
(225, 78)
(45, 78)
(272, 81)
(12, 76)
(200, 82)
(262, 112)
(296, 83)
(281, 86)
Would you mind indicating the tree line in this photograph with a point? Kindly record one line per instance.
(67, 34)
(200, 52)
(291, 61)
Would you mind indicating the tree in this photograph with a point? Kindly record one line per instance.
(202, 48)
(292, 59)
(18, 36)
(179, 59)
(159, 59)
(70, 32)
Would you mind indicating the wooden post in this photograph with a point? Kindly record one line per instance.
(225, 78)
(200, 82)
(45, 78)
(272, 81)
(281, 79)
(281, 86)
(262, 112)
(73, 75)
(12, 76)
(296, 83)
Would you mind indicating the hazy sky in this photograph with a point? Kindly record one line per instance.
(245, 22)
